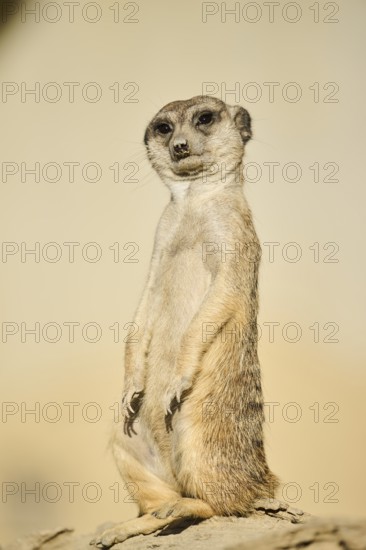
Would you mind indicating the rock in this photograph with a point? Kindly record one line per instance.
(316, 534)
(271, 528)
(39, 540)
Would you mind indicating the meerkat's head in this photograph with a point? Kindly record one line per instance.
(188, 139)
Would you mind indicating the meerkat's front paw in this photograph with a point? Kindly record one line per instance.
(177, 386)
(130, 399)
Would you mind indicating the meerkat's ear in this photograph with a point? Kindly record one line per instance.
(242, 120)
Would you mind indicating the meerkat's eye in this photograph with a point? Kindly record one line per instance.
(205, 118)
(163, 128)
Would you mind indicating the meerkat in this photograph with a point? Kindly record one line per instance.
(192, 434)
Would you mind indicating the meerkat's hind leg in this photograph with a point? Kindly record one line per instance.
(184, 508)
(144, 525)
(138, 466)
(279, 509)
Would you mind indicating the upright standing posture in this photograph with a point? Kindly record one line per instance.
(192, 437)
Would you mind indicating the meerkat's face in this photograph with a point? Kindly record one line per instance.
(187, 139)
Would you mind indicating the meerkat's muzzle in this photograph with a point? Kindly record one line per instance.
(181, 149)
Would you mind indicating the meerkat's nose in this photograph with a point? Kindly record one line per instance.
(181, 148)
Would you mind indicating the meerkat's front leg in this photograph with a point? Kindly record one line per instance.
(135, 361)
(135, 351)
(218, 308)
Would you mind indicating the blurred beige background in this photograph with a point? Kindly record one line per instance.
(137, 57)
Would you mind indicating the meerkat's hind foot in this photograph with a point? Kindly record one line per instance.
(143, 525)
(185, 508)
(280, 509)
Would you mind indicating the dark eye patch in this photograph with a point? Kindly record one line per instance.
(163, 128)
(205, 118)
